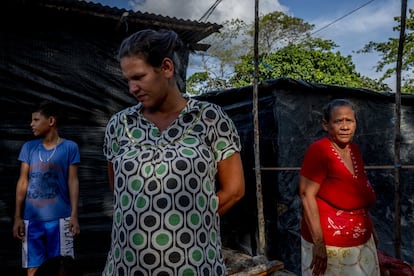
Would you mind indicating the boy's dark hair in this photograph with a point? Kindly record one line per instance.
(48, 109)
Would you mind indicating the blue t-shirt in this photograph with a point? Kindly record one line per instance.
(47, 196)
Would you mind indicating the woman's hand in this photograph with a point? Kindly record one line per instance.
(308, 191)
(319, 260)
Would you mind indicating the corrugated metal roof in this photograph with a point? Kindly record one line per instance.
(191, 32)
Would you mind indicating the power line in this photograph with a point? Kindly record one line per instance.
(207, 14)
(342, 17)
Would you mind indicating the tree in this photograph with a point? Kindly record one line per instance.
(388, 52)
(312, 61)
(198, 83)
(218, 62)
(278, 30)
(286, 50)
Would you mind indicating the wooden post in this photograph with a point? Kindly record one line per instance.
(261, 222)
(397, 140)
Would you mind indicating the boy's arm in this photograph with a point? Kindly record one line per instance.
(21, 190)
(73, 183)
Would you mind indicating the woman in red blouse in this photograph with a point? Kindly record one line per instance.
(337, 231)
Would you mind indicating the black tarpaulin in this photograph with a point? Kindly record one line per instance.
(289, 120)
(64, 51)
(73, 64)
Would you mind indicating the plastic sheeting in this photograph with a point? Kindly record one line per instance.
(78, 70)
(80, 73)
(289, 120)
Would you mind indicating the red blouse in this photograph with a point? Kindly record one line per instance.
(343, 198)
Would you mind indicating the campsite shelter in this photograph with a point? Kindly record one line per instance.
(64, 50)
(290, 114)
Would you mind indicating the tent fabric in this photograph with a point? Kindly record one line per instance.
(65, 51)
(289, 116)
(76, 67)
(289, 120)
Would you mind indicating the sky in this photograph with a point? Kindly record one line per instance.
(351, 24)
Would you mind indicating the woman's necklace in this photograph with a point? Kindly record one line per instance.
(342, 152)
(51, 155)
(346, 157)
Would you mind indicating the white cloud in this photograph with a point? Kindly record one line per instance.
(195, 9)
(179, 8)
(373, 22)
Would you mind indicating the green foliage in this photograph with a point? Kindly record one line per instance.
(197, 79)
(198, 83)
(389, 50)
(312, 61)
(286, 50)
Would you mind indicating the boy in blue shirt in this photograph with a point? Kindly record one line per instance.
(47, 192)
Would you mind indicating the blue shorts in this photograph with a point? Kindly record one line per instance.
(46, 239)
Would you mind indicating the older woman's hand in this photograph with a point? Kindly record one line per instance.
(320, 259)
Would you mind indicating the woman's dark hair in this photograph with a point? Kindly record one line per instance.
(327, 110)
(154, 46)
